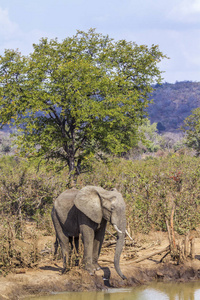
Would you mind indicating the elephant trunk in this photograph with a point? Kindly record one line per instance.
(118, 251)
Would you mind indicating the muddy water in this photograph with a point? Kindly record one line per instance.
(158, 291)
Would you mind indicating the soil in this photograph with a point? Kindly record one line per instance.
(46, 276)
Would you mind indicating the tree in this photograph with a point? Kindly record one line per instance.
(150, 137)
(191, 127)
(75, 98)
(160, 127)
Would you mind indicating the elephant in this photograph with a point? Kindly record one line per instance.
(86, 212)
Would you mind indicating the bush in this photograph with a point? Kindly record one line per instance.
(23, 190)
(150, 188)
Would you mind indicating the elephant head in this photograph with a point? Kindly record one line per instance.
(97, 203)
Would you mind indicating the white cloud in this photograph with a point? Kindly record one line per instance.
(12, 37)
(172, 24)
(190, 7)
(8, 28)
(186, 11)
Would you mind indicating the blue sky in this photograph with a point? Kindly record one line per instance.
(174, 25)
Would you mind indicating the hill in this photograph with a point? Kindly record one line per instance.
(173, 103)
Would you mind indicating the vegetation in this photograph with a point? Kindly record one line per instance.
(149, 136)
(71, 99)
(150, 187)
(191, 127)
(81, 99)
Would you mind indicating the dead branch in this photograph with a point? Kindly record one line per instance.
(106, 260)
(109, 243)
(169, 232)
(168, 252)
(129, 243)
(186, 245)
(152, 254)
(192, 248)
(113, 242)
(172, 226)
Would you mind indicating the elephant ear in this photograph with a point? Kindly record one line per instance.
(88, 201)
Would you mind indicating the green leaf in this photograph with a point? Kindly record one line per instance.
(83, 96)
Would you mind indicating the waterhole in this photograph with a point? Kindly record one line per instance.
(156, 291)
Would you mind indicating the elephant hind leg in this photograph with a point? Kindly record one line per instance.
(64, 243)
(74, 241)
(63, 240)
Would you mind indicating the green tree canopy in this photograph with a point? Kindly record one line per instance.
(191, 127)
(149, 136)
(74, 98)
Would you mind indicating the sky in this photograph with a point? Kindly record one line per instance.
(174, 25)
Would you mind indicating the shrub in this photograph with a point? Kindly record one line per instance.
(150, 187)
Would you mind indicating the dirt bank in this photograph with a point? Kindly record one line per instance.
(46, 276)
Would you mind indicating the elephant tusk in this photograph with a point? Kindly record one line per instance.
(117, 229)
(128, 235)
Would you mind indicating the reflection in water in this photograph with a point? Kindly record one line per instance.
(177, 291)
(157, 291)
(122, 294)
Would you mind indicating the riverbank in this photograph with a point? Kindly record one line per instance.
(46, 277)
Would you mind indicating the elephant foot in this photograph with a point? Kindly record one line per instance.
(96, 266)
(90, 270)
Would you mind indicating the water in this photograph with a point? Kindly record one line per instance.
(157, 291)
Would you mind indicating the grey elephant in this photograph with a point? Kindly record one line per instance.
(87, 211)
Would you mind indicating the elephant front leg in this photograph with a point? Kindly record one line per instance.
(88, 240)
(98, 241)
